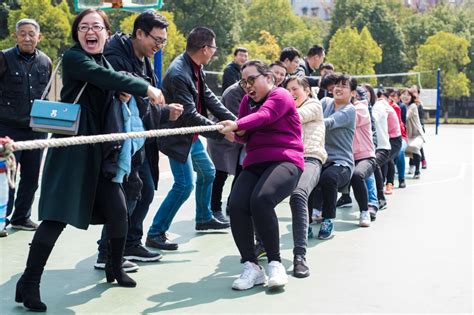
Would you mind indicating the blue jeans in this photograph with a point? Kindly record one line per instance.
(401, 161)
(198, 161)
(372, 191)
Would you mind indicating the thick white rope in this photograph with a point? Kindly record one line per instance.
(9, 148)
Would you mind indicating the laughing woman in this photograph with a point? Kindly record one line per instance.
(75, 189)
(270, 127)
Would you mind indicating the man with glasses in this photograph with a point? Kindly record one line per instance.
(132, 54)
(184, 84)
(24, 75)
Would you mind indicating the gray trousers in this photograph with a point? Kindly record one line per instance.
(299, 203)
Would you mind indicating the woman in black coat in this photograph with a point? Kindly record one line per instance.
(75, 190)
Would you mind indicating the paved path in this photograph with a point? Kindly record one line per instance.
(416, 258)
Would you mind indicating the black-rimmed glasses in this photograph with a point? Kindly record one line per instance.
(215, 47)
(249, 81)
(95, 28)
(158, 40)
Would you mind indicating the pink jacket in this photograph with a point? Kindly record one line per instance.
(393, 123)
(363, 146)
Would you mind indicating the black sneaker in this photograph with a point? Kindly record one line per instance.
(27, 225)
(300, 268)
(220, 216)
(401, 183)
(260, 251)
(344, 202)
(140, 253)
(127, 266)
(3, 232)
(373, 213)
(160, 241)
(212, 224)
(382, 204)
(417, 175)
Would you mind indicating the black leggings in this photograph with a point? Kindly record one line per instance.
(257, 191)
(389, 167)
(381, 157)
(363, 169)
(109, 203)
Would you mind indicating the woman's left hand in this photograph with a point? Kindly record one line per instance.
(229, 126)
(125, 97)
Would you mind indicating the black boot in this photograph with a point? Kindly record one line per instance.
(27, 288)
(113, 267)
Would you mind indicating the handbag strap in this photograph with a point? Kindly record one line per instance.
(80, 93)
(53, 75)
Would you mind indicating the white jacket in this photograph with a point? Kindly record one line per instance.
(312, 119)
(379, 112)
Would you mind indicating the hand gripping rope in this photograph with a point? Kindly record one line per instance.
(7, 149)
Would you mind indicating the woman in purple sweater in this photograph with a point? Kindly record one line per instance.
(270, 127)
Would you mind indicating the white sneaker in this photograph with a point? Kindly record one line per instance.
(277, 276)
(364, 219)
(251, 276)
(411, 169)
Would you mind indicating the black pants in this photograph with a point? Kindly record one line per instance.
(137, 210)
(389, 168)
(109, 203)
(333, 177)
(218, 187)
(381, 157)
(30, 162)
(257, 191)
(363, 169)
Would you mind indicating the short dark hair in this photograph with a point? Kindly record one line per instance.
(327, 66)
(327, 80)
(315, 50)
(80, 16)
(147, 21)
(240, 49)
(198, 38)
(344, 78)
(391, 91)
(279, 64)
(289, 53)
(261, 66)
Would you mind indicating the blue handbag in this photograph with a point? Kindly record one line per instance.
(56, 117)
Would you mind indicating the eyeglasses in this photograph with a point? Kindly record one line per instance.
(250, 81)
(215, 47)
(95, 28)
(158, 40)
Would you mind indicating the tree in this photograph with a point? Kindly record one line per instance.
(418, 27)
(224, 17)
(383, 26)
(265, 48)
(5, 7)
(449, 52)
(352, 52)
(277, 18)
(53, 21)
(176, 42)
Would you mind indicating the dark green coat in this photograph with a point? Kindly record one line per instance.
(71, 174)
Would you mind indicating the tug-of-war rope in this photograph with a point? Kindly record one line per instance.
(7, 149)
